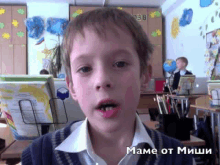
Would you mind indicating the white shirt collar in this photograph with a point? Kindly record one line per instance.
(182, 72)
(79, 139)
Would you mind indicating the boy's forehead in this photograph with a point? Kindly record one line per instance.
(103, 34)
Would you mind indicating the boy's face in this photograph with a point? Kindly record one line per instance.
(180, 64)
(106, 69)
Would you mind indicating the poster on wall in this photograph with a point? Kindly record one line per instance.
(212, 58)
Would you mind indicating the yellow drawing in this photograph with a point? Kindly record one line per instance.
(47, 52)
(79, 11)
(40, 95)
(6, 90)
(6, 35)
(152, 14)
(175, 27)
(40, 56)
(15, 23)
(2, 11)
(4, 105)
(218, 32)
(120, 8)
(158, 32)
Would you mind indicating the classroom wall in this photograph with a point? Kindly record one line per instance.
(44, 10)
(190, 40)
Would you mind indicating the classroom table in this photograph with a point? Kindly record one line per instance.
(5, 133)
(213, 111)
(185, 100)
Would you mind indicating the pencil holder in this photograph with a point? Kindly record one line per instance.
(174, 127)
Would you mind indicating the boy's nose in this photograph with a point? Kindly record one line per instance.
(105, 86)
(103, 80)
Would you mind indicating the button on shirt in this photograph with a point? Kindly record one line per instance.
(79, 142)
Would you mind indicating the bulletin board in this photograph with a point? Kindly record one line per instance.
(212, 58)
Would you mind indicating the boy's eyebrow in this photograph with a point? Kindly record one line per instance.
(120, 51)
(114, 53)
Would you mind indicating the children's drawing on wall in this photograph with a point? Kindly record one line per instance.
(186, 18)
(212, 58)
(77, 12)
(35, 27)
(56, 26)
(211, 17)
(43, 54)
(205, 3)
(175, 27)
(49, 58)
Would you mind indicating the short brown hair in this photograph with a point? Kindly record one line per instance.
(100, 20)
(44, 71)
(184, 59)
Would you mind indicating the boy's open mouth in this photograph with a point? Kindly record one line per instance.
(107, 105)
(108, 108)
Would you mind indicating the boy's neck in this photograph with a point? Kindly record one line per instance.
(112, 146)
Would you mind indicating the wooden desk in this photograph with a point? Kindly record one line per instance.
(2, 120)
(194, 141)
(147, 101)
(15, 150)
(191, 99)
(5, 133)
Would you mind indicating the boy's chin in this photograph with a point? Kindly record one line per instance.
(108, 127)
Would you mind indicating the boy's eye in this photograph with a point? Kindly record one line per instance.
(84, 69)
(120, 64)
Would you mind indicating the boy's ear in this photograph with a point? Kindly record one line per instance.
(146, 77)
(70, 87)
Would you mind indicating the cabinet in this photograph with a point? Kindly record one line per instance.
(13, 58)
(151, 21)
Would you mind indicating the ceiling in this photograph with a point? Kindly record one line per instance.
(134, 3)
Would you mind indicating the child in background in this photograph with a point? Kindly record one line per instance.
(181, 63)
(44, 71)
(105, 54)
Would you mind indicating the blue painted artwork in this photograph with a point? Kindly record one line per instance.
(205, 3)
(40, 41)
(57, 26)
(186, 18)
(35, 27)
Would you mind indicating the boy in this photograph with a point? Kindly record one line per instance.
(181, 63)
(105, 58)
